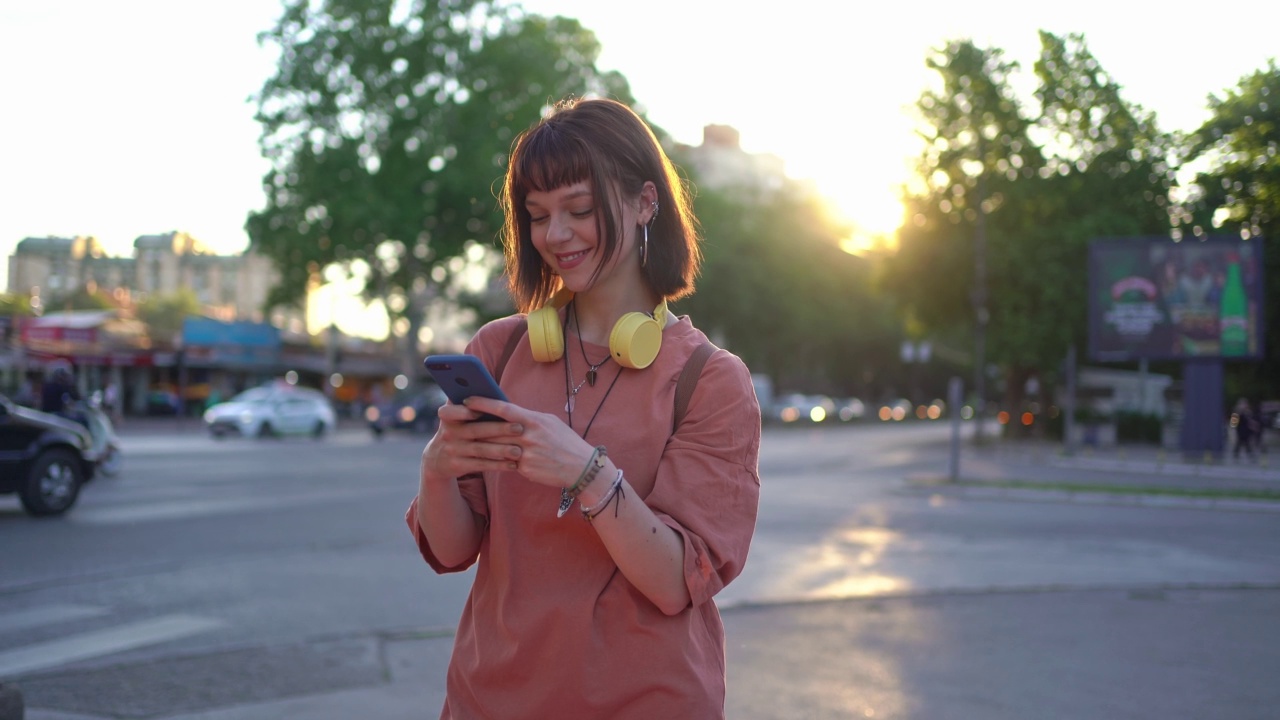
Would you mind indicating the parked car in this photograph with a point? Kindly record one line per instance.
(795, 407)
(44, 458)
(851, 409)
(272, 410)
(413, 409)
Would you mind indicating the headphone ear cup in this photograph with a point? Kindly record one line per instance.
(546, 338)
(635, 340)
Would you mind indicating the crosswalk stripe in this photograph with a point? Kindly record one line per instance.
(102, 642)
(36, 617)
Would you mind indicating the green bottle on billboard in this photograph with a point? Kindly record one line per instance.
(1233, 313)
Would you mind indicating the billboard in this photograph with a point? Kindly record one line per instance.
(1157, 299)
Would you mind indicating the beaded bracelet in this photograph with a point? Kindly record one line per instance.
(615, 492)
(569, 494)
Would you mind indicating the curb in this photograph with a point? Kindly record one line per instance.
(11, 705)
(930, 485)
(1169, 468)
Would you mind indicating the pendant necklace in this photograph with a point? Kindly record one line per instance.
(591, 367)
(566, 500)
(590, 380)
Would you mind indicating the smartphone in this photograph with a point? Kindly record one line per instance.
(462, 376)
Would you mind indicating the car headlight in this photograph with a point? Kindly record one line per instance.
(371, 414)
(246, 418)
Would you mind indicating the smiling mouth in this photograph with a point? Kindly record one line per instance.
(571, 257)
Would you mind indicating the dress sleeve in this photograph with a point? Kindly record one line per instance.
(486, 345)
(708, 485)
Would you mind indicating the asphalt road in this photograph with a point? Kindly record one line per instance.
(215, 574)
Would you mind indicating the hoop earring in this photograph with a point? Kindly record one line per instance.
(644, 246)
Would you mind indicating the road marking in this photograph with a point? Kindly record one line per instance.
(102, 642)
(36, 617)
(180, 509)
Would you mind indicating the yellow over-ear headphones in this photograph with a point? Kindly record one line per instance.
(633, 343)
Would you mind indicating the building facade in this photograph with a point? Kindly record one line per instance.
(720, 163)
(228, 287)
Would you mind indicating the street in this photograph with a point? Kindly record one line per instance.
(215, 575)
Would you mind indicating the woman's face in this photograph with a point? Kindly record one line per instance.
(564, 227)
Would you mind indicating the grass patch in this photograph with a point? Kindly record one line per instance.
(1212, 493)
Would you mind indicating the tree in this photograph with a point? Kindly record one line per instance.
(164, 314)
(14, 304)
(777, 289)
(388, 125)
(1088, 164)
(1239, 193)
(87, 297)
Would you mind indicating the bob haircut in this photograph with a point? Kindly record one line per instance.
(606, 144)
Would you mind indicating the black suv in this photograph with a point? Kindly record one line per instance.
(42, 458)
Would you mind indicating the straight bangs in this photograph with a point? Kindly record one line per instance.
(547, 159)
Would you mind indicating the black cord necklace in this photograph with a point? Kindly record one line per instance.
(591, 367)
(570, 394)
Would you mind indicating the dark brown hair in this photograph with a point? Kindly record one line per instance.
(608, 145)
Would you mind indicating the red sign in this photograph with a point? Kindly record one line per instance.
(38, 333)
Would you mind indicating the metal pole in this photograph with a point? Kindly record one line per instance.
(955, 396)
(1069, 422)
(980, 306)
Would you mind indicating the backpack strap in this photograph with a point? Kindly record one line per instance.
(512, 342)
(689, 380)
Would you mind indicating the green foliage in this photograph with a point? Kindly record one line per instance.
(388, 125)
(778, 290)
(1085, 165)
(83, 298)
(15, 304)
(1241, 188)
(164, 314)
(1138, 427)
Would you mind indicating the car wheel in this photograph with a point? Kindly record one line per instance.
(319, 430)
(53, 483)
(266, 431)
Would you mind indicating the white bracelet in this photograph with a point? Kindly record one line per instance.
(614, 489)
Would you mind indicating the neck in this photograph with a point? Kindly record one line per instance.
(597, 309)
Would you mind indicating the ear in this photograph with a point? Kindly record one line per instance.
(648, 196)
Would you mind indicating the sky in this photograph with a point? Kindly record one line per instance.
(132, 117)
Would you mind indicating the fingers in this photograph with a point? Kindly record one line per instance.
(451, 458)
(504, 410)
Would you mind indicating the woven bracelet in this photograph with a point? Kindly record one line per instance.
(569, 494)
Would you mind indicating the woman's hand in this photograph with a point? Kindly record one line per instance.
(550, 452)
(461, 447)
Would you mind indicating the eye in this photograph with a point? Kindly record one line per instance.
(583, 213)
(537, 220)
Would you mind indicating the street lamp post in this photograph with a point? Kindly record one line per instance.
(981, 315)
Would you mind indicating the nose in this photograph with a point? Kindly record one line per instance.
(558, 229)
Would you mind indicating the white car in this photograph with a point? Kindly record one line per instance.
(271, 411)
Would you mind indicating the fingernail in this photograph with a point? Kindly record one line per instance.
(514, 452)
(517, 428)
(513, 466)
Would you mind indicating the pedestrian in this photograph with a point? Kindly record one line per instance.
(111, 401)
(26, 395)
(600, 535)
(59, 393)
(1247, 429)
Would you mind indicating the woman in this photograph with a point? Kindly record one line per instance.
(601, 535)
